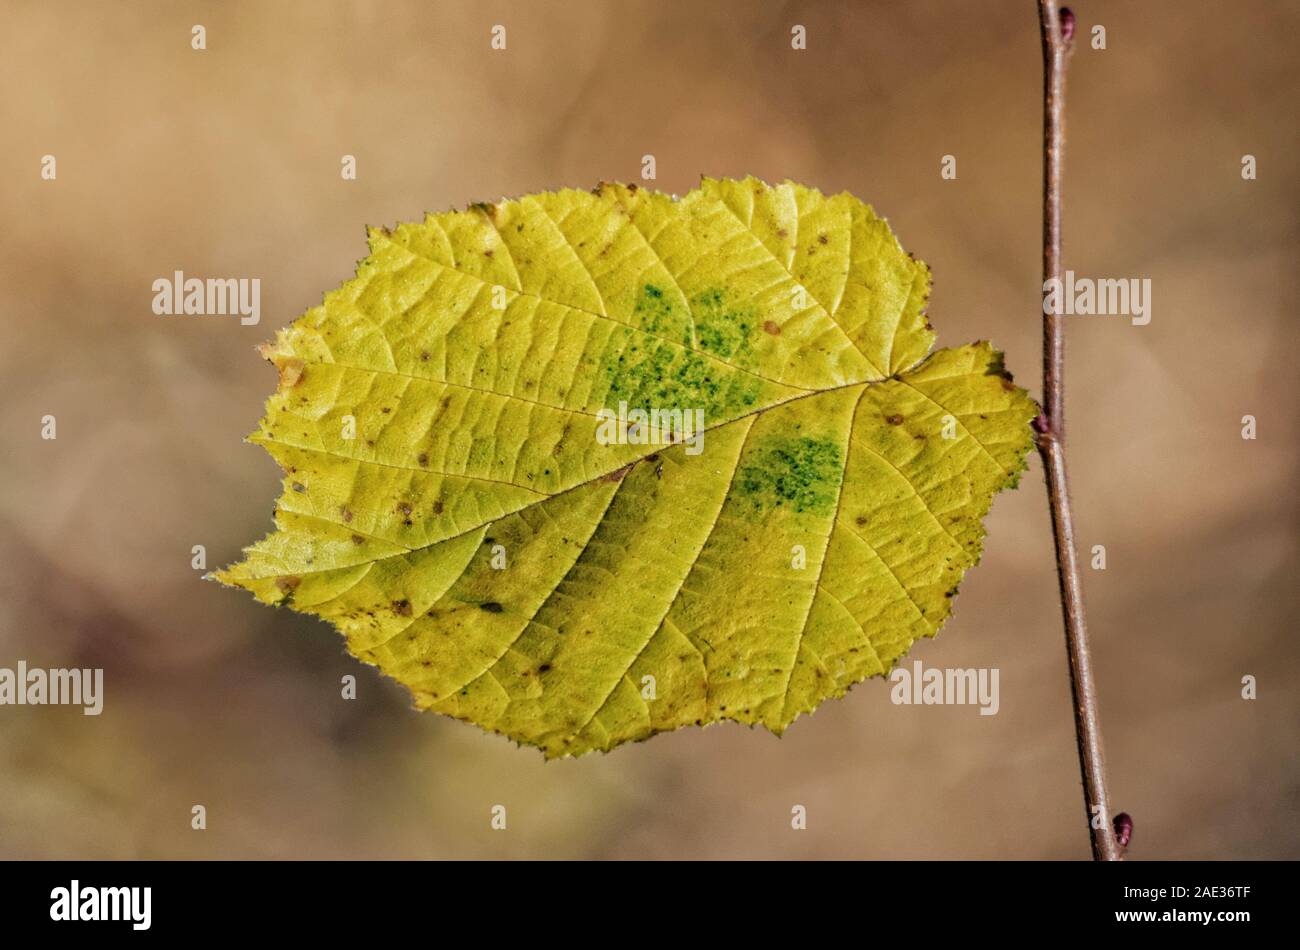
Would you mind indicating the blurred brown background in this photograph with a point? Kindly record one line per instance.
(226, 163)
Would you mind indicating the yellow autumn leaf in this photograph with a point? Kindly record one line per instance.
(473, 499)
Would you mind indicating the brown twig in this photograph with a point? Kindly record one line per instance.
(1058, 33)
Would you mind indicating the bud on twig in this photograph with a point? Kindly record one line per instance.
(1067, 24)
(1123, 828)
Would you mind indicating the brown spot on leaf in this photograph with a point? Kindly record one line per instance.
(619, 474)
(894, 420)
(299, 487)
(287, 584)
(402, 608)
(358, 539)
(491, 607)
(771, 327)
(292, 371)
